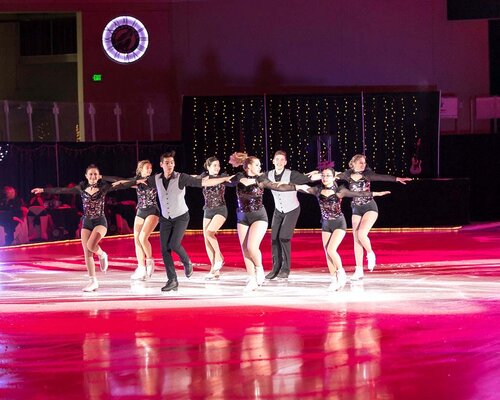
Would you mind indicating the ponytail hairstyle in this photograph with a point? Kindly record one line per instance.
(209, 162)
(355, 158)
(140, 166)
(238, 159)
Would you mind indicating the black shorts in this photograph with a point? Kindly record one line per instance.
(209, 213)
(331, 225)
(363, 209)
(248, 218)
(146, 212)
(91, 223)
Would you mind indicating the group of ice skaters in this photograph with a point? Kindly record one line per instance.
(160, 199)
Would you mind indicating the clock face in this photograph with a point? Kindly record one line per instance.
(125, 39)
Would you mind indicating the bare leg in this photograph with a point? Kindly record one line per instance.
(254, 239)
(95, 237)
(208, 246)
(256, 233)
(358, 247)
(139, 252)
(90, 243)
(242, 235)
(148, 227)
(331, 243)
(89, 256)
(363, 229)
(93, 245)
(250, 239)
(212, 228)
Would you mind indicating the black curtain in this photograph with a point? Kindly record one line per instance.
(317, 128)
(28, 165)
(219, 126)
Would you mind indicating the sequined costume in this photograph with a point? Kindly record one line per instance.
(362, 204)
(250, 204)
(250, 197)
(215, 202)
(93, 204)
(147, 203)
(214, 195)
(146, 196)
(330, 206)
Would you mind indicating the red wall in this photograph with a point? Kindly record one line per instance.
(150, 80)
(135, 84)
(272, 46)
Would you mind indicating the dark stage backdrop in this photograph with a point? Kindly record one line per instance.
(29, 165)
(314, 129)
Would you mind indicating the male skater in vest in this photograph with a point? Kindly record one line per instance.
(174, 219)
(286, 214)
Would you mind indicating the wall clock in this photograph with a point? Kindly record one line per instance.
(125, 39)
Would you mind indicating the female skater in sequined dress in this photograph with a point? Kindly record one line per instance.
(333, 224)
(364, 209)
(94, 225)
(214, 216)
(252, 221)
(146, 219)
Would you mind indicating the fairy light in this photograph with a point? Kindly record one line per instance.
(4, 150)
(300, 124)
(195, 132)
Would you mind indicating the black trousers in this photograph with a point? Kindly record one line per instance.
(171, 233)
(282, 229)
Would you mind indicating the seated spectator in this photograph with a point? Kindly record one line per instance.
(71, 200)
(38, 218)
(10, 212)
(50, 200)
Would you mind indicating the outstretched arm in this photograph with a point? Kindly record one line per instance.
(112, 179)
(125, 184)
(263, 182)
(403, 180)
(57, 190)
(372, 176)
(343, 192)
(306, 189)
(215, 181)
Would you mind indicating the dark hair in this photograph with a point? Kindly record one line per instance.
(168, 154)
(329, 169)
(92, 166)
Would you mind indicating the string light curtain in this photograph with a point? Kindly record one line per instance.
(394, 122)
(219, 126)
(317, 129)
